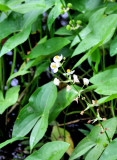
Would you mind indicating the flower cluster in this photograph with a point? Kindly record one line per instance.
(73, 25)
(56, 64)
(65, 9)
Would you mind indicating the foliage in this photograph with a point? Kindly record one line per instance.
(49, 89)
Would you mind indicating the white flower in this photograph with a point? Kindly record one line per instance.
(56, 81)
(69, 72)
(95, 103)
(54, 66)
(57, 58)
(85, 81)
(75, 78)
(68, 88)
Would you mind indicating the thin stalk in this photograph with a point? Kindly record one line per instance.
(13, 66)
(1, 82)
(65, 121)
(90, 108)
(29, 43)
(112, 109)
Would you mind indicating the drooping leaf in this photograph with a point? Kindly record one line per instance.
(57, 134)
(11, 141)
(19, 73)
(51, 150)
(96, 140)
(11, 97)
(15, 41)
(54, 13)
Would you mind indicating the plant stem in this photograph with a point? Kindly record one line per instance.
(112, 109)
(13, 66)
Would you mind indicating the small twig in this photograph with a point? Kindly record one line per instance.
(72, 122)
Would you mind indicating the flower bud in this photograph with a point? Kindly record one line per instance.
(62, 6)
(69, 5)
(79, 22)
(68, 27)
(62, 11)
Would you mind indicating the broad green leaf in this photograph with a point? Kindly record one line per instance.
(64, 99)
(50, 151)
(101, 77)
(57, 134)
(85, 5)
(25, 121)
(33, 15)
(99, 32)
(4, 8)
(39, 130)
(108, 87)
(11, 141)
(11, 97)
(15, 40)
(107, 98)
(27, 7)
(87, 55)
(54, 13)
(41, 101)
(19, 73)
(96, 140)
(110, 152)
(48, 47)
(113, 47)
(12, 23)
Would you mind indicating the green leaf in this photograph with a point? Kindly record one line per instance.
(19, 73)
(108, 87)
(106, 99)
(101, 77)
(41, 68)
(15, 41)
(113, 47)
(39, 130)
(64, 99)
(11, 97)
(64, 31)
(99, 31)
(27, 7)
(48, 47)
(87, 55)
(85, 5)
(54, 13)
(41, 101)
(58, 133)
(11, 141)
(25, 121)
(50, 151)
(4, 8)
(13, 23)
(110, 152)
(96, 140)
